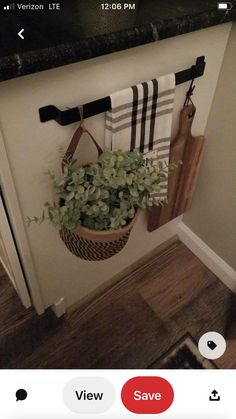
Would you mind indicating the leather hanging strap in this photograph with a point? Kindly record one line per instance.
(76, 139)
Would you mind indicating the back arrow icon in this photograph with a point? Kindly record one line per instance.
(20, 34)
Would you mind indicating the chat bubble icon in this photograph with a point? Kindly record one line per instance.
(21, 394)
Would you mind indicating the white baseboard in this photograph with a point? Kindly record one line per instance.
(214, 262)
(59, 308)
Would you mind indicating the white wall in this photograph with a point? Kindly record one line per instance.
(213, 213)
(33, 147)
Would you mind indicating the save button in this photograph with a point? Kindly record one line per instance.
(147, 395)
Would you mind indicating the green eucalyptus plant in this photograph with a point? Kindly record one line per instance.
(106, 194)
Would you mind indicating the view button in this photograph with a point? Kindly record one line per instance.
(144, 395)
(89, 395)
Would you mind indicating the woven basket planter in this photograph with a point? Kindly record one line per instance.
(83, 242)
(94, 245)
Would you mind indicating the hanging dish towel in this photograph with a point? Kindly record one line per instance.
(140, 118)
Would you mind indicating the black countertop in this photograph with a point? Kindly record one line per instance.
(82, 30)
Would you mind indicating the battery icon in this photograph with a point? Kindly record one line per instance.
(224, 5)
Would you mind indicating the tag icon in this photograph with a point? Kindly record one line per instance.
(212, 345)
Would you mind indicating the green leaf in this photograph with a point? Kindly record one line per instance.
(134, 192)
(129, 180)
(70, 196)
(80, 189)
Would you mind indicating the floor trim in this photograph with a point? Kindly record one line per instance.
(214, 262)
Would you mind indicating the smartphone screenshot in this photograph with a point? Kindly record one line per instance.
(117, 209)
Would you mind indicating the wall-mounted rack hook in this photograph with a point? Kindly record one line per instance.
(51, 112)
(200, 66)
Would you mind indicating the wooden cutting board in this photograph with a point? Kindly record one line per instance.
(182, 181)
(189, 173)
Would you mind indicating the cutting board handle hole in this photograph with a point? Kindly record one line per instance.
(190, 115)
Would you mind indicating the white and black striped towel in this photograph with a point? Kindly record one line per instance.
(141, 118)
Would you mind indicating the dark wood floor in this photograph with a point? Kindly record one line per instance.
(130, 326)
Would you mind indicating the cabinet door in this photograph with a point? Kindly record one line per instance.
(9, 257)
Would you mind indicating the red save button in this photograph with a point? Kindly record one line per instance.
(147, 395)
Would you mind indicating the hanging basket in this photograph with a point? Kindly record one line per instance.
(86, 243)
(90, 244)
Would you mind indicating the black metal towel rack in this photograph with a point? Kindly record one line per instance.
(51, 112)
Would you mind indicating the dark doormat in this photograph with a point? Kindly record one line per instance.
(183, 355)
